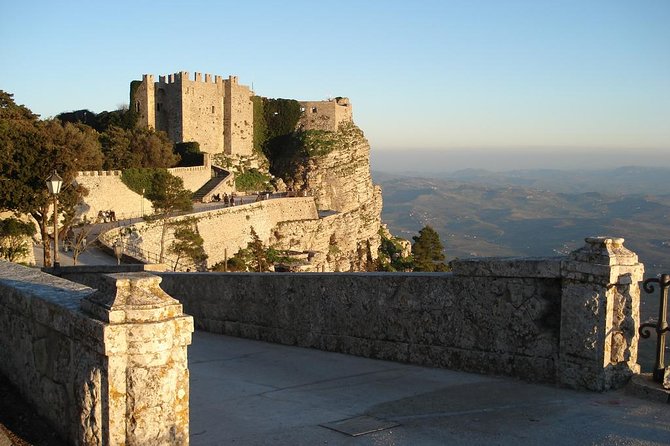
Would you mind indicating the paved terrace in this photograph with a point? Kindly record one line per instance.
(246, 392)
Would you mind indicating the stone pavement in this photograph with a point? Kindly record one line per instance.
(246, 392)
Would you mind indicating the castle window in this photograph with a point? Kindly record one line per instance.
(137, 106)
(212, 109)
(158, 106)
(313, 109)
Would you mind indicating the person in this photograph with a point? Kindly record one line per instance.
(225, 199)
(112, 215)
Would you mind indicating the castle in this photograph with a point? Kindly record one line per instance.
(218, 113)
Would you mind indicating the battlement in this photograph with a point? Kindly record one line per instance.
(99, 173)
(185, 76)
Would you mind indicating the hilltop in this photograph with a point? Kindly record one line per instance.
(534, 213)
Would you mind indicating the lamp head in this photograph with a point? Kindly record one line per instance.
(54, 183)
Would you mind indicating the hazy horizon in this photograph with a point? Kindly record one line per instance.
(444, 161)
(435, 74)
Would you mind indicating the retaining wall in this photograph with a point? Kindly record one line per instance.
(106, 367)
(570, 320)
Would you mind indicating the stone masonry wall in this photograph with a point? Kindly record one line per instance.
(106, 367)
(239, 118)
(203, 113)
(571, 321)
(106, 192)
(226, 230)
(325, 115)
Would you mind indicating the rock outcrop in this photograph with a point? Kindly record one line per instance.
(333, 167)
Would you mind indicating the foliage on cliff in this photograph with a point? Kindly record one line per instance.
(275, 121)
(302, 146)
(251, 180)
(390, 256)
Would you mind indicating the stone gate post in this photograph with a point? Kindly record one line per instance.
(599, 315)
(145, 390)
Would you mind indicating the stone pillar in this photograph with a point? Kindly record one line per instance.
(599, 315)
(145, 390)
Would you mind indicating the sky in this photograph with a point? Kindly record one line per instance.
(498, 83)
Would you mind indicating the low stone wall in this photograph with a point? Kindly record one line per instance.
(570, 320)
(105, 367)
(226, 230)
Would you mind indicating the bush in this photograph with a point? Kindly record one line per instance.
(139, 180)
(251, 180)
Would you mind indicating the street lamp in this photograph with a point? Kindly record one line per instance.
(118, 250)
(54, 183)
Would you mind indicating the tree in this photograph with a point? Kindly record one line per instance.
(255, 257)
(188, 243)
(29, 151)
(427, 251)
(138, 147)
(13, 235)
(79, 237)
(168, 197)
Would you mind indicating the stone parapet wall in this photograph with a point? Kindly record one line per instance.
(104, 367)
(226, 230)
(560, 320)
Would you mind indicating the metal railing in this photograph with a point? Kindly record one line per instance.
(660, 326)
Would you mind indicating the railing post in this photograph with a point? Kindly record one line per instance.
(661, 373)
(145, 392)
(600, 314)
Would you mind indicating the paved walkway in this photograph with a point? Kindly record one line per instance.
(253, 393)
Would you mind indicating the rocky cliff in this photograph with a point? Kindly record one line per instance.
(334, 168)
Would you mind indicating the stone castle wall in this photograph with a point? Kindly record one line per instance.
(239, 119)
(226, 230)
(107, 192)
(325, 115)
(570, 320)
(106, 367)
(216, 113)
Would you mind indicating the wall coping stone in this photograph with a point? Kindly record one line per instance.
(537, 267)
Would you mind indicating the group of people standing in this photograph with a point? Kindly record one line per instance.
(231, 200)
(106, 216)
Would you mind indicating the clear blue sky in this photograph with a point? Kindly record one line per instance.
(490, 75)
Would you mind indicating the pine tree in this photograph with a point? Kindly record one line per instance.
(427, 251)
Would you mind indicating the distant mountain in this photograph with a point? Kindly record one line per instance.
(534, 212)
(622, 180)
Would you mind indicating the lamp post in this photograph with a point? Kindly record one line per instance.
(118, 250)
(54, 183)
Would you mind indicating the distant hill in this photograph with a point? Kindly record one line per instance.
(535, 212)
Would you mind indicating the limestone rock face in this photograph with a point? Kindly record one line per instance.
(340, 179)
(346, 236)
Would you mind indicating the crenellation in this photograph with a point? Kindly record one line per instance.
(198, 77)
(208, 78)
(161, 79)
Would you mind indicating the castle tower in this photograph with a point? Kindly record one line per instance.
(142, 101)
(239, 117)
(218, 114)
